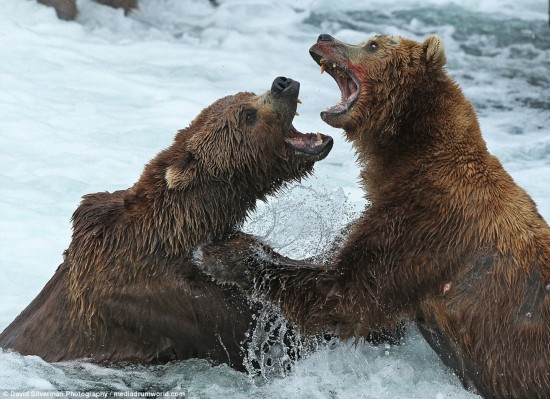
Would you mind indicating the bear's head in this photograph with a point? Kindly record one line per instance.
(379, 79)
(247, 139)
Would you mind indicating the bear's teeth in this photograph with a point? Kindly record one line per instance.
(334, 65)
(323, 67)
(296, 113)
(298, 101)
(319, 138)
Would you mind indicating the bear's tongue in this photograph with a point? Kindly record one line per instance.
(309, 143)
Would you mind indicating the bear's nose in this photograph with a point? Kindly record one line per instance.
(323, 37)
(280, 84)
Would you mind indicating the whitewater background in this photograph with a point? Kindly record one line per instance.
(85, 104)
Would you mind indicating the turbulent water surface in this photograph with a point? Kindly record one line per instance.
(85, 104)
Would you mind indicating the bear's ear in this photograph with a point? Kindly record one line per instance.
(182, 175)
(434, 51)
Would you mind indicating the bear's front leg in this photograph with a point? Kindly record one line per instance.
(309, 294)
(228, 261)
(246, 261)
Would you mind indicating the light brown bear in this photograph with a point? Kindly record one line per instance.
(448, 240)
(127, 290)
(68, 10)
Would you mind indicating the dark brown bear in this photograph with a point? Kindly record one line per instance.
(448, 240)
(127, 289)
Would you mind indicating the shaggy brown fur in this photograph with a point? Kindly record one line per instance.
(448, 240)
(127, 290)
(67, 9)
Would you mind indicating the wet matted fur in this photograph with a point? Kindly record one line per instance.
(448, 240)
(127, 289)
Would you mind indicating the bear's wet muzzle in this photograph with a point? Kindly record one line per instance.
(284, 92)
(333, 57)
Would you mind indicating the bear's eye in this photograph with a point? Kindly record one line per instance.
(372, 46)
(250, 116)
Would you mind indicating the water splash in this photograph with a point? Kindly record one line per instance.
(303, 221)
(273, 345)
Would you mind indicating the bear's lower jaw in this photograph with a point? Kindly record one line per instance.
(314, 146)
(337, 120)
(338, 115)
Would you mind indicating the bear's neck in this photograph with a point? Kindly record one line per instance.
(177, 221)
(438, 135)
(144, 230)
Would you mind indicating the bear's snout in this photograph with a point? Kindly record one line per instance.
(324, 37)
(284, 85)
(284, 98)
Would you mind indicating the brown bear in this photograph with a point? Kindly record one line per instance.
(127, 290)
(67, 9)
(448, 240)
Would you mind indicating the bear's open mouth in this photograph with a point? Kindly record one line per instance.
(347, 82)
(314, 145)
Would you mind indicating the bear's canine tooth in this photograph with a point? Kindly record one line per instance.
(319, 138)
(323, 67)
(298, 101)
(296, 113)
(334, 64)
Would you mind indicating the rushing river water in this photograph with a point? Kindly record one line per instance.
(84, 105)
